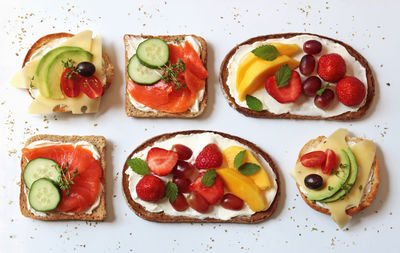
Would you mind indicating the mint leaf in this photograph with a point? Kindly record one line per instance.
(253, 103)
(248, 169)
(320, 91)
(283, 75)
(239, 159)
(208, 178)
(171, 191)
(266, 52)
(139, 166)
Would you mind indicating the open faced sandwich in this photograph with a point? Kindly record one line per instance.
(166, 76)
(297, 76)
(64, 72)
(338, 175)
(201, 176)
(63, 178)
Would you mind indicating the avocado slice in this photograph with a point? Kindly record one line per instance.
(43, 65)
(334, 182)
(52, 75)
(350, 181)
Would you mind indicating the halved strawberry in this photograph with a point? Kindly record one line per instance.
(285, 94)
(209, 157)
(161, 161)
(212, 194)
(350, 91)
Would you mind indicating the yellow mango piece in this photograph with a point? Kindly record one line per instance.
(260, 178)
(257, 74)
(244, 188)
(286, 49)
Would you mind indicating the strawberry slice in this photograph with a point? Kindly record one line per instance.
(161, 161)
(212, 194)
(209, 157)
(285, 94)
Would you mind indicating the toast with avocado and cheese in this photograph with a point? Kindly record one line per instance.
(201, 176)
(338, 175)
(166, 76)
(63, 178)
(297, 76)
(64, 72)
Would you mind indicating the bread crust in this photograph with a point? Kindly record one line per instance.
(161, 217)
(108, 67)
(100, 212)
(367, 199)
(266, 114)
(132, 111)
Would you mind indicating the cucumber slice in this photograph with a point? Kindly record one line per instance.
(153, 53)
(44, 195)
(41, 168)
(141, 74)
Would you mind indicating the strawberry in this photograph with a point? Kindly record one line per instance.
(209, 157)
(285, 94)
(331, 67)
(212, 194)
(350, 91)
(150, 188)
(161, 161)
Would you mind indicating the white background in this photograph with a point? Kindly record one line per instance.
(371, 27)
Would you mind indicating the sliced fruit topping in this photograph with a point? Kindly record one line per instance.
(330, 163)
(312, 47)
(198, 203)
(86, 68)
(213, 193)
(70, 84)
(209, 157)
(150, 188)
(311, 85)
(307, 64)
(180, 204)
(185, 169)
(91, 86)
(331, 67)
(161, 161)
(284, 94)
(313, 159)
(184, 153)
(350, 91)
(231, 202)
(313, 181)
(324, 98)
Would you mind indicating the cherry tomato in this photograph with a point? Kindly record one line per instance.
(91, 86)
(70, 86)
(313, 159)
(330, 163)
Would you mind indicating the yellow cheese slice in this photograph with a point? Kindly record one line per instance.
(82, 40)
(97, 59)
(42, 105)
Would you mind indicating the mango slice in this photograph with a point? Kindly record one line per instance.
(260, 178)
(286, 49)
(244, 188)
(259, 71)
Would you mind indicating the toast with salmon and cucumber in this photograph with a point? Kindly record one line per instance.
(63, 178)
(201, 176)
(166, 76)
(64, 72)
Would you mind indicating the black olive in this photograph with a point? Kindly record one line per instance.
(86, 68)
(313, 181)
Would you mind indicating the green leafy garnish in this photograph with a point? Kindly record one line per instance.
(66, 179)
(74, 69)
(171, 191)
(248, 169)
(31, 82)
(239, 159)
(179, 39)
(139, 166)
(330, 188)
(266, 52)
(208, 178)
(254, 103)
(171, 73)
(320, 91)
(283, 75)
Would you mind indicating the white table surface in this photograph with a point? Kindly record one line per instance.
(371, 27)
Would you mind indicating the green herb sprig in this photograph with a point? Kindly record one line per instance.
(74, 69)
(171, 73)
(67, 179)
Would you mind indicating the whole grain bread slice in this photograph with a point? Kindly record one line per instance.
(162, 217)
(369, 191)
(267, 114)
(132, 111)
(107, 65)
(99, 213)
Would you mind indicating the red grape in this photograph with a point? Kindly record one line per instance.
(184, 152)
(180, 203)
(311, 85)
(307, 64)
(183, 183)
(185, 169)
(198, 203)
(312, 47)
(325, 100)
(230, 201)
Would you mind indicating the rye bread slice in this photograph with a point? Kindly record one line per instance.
(162, 217)
(369, 191)
(267, 114)
(99, 213)
(132, 111)
(107, 65)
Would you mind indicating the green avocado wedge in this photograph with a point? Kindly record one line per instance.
(334, 182)
(350, 181)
